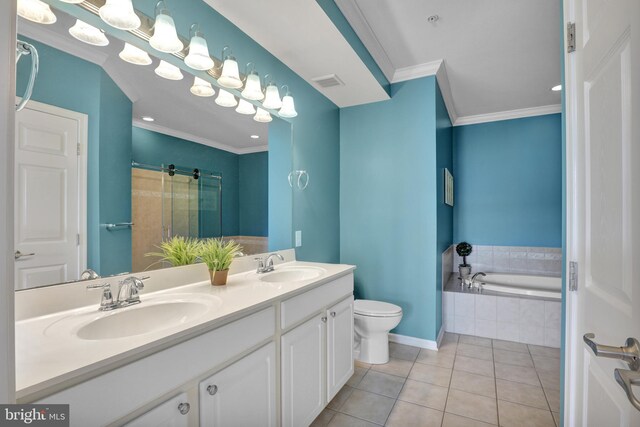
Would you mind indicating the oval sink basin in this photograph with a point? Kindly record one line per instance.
(294, 274)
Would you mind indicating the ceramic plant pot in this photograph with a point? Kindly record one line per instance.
(218, 278)
(464, 270)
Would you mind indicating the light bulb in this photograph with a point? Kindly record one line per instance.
(245, 107)
(198, 57)
(226, 99)
(133, 55)
(168, 71)
(165, 38)
(72, 1)
(88, 34)
(36, 11)
(120, 14)
(288, 109)
(272, 99)
(252, 87)
(262, 116)
(230, 76)
(202, 87)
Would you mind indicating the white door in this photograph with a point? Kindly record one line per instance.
(242, 394)
(303, 372)
(339, 346)
(49, 237)
(603, 176)
(172, 413)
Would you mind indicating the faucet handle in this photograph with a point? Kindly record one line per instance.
(260, 264)
(106, 302)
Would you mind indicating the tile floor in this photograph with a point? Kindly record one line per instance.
(470, 381)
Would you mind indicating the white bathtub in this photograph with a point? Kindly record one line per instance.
(522, 284)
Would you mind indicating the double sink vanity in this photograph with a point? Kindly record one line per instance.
(265, 350)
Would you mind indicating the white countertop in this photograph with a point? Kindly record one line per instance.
(47, 360)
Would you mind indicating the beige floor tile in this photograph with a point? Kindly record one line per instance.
(473, 383)
(447, 347)
(512, 358)
(404, 352)
(556, 418)
(408, 415)
(515, 415)
(368, 406)
(547, 364)
(323, 419)
(450, 337)
(424, 394)
(553, 397)
(341, 397)
(436, 358)
(475, 366)
(511, 346)
(358, 374)
(522, 393)
(473, 406)
(468, 339)
(342, 420)
(379, 383)
(397, 367)
(451, 420)
(476, 351)
(360, 364)
(430, 374)
(550, 379)
(537, 350)
(519, 374)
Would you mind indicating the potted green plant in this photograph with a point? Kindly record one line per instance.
(218, 254)
(177, 251)
(464, 249)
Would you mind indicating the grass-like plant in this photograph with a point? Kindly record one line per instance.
(218, 254)
(178, 251)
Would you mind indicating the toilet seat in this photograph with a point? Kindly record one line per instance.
(372, 308)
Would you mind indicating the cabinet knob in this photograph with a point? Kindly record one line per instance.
(324, 319)
(212, 389)
(333, 314)
(184, 408)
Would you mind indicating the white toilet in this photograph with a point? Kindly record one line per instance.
(373, 320)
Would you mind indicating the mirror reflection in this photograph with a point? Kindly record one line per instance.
(112, 159)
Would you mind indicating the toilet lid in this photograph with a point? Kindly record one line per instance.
(375, 308)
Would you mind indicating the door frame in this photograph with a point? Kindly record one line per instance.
(83, 137)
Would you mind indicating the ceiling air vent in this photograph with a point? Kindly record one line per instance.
(330, 80)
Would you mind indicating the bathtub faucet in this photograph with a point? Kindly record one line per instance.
(473, 284)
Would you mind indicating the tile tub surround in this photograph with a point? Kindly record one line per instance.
(518, 319)
(513, 259)
(470, 381)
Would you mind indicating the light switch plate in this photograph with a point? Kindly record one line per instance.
(298, 238)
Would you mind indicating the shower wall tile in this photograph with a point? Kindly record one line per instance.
(513, 259)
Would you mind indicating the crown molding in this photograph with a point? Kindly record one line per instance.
(193, 138)
(416, 71)
(508, 115)
(354, 16)
(445, 90)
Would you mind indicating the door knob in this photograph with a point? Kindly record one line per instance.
(630, 353)
(627, 379)
(19, 254)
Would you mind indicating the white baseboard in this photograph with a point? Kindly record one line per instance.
(418, 342)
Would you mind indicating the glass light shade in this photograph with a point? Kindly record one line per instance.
(198, 57)
(288, 109)
(120, 14)
(168, 71)
(230, 76)
(36, 11)
(165, 38)
(72, 1)
(88, 34)
(262, 116)
(245, 107)
(133, 55)
(202, 87)
(226, 99)
(272, 99)
(253, 88)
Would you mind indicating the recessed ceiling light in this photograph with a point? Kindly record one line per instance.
(557, 88)
(255, 136)
(148, 119)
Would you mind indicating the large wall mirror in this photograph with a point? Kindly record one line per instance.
(113, 159)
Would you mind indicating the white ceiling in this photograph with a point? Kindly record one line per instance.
(176, 111)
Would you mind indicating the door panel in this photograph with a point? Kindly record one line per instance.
(164, 415)
(339, 346)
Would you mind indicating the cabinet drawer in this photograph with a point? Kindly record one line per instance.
(300, 307)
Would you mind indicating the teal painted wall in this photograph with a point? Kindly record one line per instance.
(388, 209)
(74, 84)
(508, 182)
(253, 188)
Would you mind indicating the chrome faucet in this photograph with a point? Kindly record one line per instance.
(106, 302)
(266, 265)
(472, 284)
(128, 293)
(89, 274)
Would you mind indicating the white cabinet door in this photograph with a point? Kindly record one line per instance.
(339, 346)
(172, 413)
(303, 372)
(242, 394)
